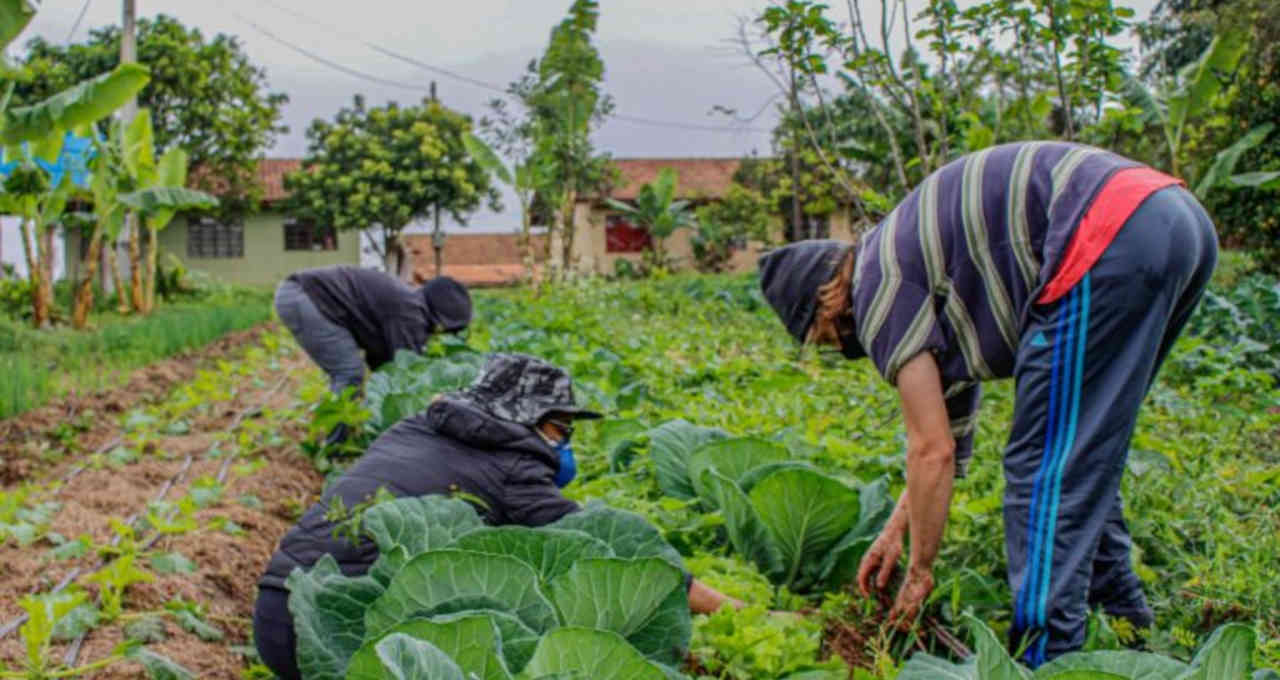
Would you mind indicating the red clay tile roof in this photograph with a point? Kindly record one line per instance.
(271, 172)
(698, 177)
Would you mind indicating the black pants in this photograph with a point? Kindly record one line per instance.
(1084, 365)
(273, 633)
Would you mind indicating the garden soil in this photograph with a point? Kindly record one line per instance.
(26, 440)
(263, 503)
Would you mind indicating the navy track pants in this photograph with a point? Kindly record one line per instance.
(1085, 362)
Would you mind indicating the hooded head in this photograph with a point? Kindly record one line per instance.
(523, 389)
(790, 277)
(448, 304)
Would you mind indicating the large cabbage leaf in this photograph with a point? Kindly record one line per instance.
(437, 577)
(746, 533)
(419, 524)
(805, 514)
(642, 600)
(626, 533)
(550, 552)
(469, 640)
(328, 612)
(402, 657)
(671, 444)
(586, 653)
(733, 458)
(1227, 654)
(1125, 664)
(749, 480)
(924, 666)
(407, 384)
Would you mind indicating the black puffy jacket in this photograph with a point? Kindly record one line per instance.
(451, 446)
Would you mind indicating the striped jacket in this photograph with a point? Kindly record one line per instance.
(953, 269)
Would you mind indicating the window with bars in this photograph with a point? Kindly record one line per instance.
(304, 235)
(208, 238)
(620, 236)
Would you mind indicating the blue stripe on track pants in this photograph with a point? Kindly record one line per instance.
(1084, 365)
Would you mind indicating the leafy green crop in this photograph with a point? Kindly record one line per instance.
(1227, 654)
(407, 384)
(598, 594)
(804, 529)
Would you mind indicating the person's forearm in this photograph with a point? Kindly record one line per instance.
(704, 599)
(930, 475)
(900, 519)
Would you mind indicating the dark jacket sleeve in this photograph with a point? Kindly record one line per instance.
(530, 496)
(403, 332)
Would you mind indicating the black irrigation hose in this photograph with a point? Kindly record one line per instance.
(73, 652)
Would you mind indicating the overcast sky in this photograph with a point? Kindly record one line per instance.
(667, 61)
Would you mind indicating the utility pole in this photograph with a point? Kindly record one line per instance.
(437, 236)
(128, 55)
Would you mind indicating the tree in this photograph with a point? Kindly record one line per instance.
(567, 102)
(741, 214)
(510, 131)
(156, 192)
(388, 166)
(657, 210)
(205, 97)
(43, 159)
(993, 71)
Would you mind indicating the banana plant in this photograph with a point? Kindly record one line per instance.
(1192, 92)
(657, 209)
(157, 203)
(129, 178)
(39, 132)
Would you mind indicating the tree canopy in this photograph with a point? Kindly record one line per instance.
(205, 96)
(388, 166)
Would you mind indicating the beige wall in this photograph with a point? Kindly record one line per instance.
(590, 254)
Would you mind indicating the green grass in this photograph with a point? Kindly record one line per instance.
(39, 365)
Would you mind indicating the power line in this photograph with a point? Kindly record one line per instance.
(637, 120)
(79, 18)
(331, 64)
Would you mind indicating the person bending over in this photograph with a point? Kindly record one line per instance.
(1071, 270)
(504, 440)
(337, 312)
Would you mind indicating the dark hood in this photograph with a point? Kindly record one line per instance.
(448, 304)
(790, 277)
(467, 424)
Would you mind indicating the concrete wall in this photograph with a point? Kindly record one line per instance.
(265, 260)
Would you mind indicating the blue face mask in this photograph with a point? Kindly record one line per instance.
(568, 466)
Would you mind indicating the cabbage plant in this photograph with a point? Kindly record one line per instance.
(598, 594)
(1227, 654)
(804, 529)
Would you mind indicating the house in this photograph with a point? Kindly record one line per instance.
(265, 246)
(602, 236)
(268, 245)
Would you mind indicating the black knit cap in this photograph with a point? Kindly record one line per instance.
(523, 389)
(448, 304)
(790, 277)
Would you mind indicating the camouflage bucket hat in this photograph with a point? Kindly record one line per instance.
(523, 389)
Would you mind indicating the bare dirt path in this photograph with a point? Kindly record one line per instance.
(247, 431)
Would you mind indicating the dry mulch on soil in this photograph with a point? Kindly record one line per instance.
(228, 567)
